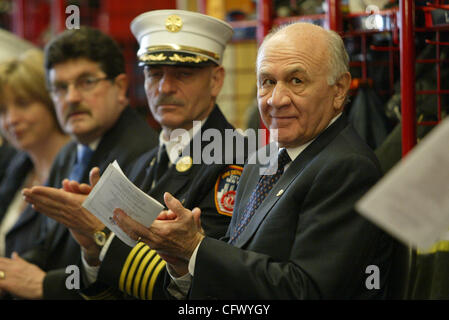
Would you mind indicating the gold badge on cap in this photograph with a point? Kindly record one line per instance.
(184, 164)
(173, 23)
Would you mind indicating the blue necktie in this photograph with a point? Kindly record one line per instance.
(264, 186)
(84, 154)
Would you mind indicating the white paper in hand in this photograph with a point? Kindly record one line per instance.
(114, 190)
(412, 200)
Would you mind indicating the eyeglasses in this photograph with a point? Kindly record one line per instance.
(82, 84)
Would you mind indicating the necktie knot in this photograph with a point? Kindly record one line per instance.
(283, 158)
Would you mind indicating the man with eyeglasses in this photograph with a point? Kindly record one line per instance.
(85, 72)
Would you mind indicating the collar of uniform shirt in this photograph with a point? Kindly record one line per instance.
(175, 146)
(93, 145)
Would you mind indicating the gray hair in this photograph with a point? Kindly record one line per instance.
(338, 57)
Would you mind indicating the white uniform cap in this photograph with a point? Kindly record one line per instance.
(178, 37)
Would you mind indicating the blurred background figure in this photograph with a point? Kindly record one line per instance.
(12, 46)
(28, 122)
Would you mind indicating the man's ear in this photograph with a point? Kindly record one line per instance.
(217, 79)
(341, 86)
(121, 81)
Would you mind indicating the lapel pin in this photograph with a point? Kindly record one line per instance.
(152, 161)
(280, 192)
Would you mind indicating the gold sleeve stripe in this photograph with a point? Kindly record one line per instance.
(143, 265)
(148, 272)
(128, 261)
(135, 263)
(154, 278)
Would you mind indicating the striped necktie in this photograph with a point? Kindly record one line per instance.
(264, 186)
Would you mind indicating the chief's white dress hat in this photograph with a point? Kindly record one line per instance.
(178, 37)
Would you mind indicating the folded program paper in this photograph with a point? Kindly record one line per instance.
(115, 190)
(412, 201)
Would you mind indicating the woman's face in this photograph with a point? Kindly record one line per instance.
(27, 125)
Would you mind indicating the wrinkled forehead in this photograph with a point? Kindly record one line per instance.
(289, 50)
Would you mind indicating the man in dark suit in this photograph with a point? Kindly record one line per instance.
(294, 234)
(86, 76)
(182, 83)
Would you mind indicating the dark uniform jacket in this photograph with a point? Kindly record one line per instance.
(138, 271)
(129, 138)
(306, 241)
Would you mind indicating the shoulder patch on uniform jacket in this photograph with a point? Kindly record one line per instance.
(225, 189)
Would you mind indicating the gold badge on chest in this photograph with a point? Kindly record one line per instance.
(184, 164)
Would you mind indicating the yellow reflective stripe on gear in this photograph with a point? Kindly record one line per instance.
(138, 277)
(130, 257)
(153, 279)
(440, 246)
(147, 274)
(132, 270)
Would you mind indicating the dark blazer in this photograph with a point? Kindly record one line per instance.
(308, 242)
(196, 187)
(6, 154)
(130, 137)
(17, 172)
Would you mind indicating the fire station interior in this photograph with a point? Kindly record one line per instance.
(398, 49)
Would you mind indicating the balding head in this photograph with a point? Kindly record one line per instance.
(302, 81)
(325, 44)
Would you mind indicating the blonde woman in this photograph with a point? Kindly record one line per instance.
(28, 122)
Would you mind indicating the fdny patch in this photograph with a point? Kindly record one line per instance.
(225, 189)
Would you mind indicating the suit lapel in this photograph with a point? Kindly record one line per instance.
(292, 174)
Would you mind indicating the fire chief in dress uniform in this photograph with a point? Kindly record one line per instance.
(181, 53)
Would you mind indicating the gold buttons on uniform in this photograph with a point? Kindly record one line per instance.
(184, 164)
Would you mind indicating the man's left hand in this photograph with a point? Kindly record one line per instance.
(21, 278)
(176, 233)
